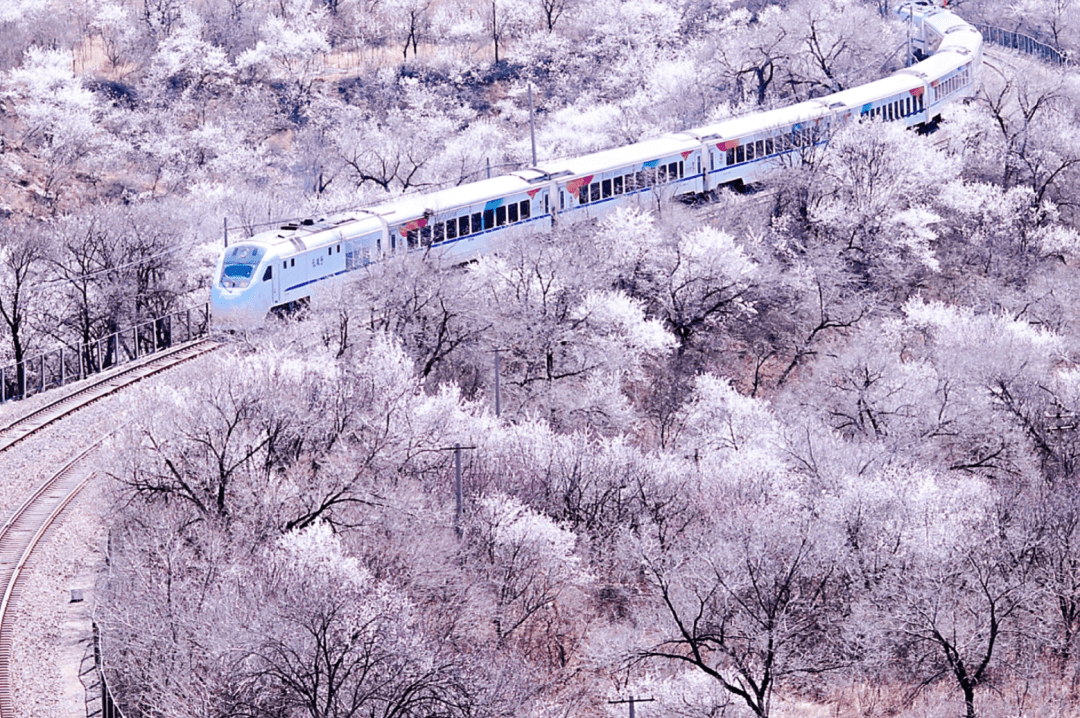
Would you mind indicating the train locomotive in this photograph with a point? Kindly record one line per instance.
(286, 266)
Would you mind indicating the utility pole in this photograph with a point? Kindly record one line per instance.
(457, 489)
(495, 28)
(498, 402)
(532, 127)
(226, 233)
(632, 701)
(459, 500)
(909, 19)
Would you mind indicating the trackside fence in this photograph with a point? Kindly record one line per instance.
(98, 698)
(69, 364)
(1023, 43)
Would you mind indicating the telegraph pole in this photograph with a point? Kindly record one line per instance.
(459, 501)
(631, 700)
(498, 402)
(532, 126)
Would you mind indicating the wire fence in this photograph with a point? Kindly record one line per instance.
(69, 364)
(1023, 43)
(97, 695)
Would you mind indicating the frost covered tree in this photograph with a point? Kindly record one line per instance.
(58, 125)
(22, 264)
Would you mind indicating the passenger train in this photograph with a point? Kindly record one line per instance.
(287, 265)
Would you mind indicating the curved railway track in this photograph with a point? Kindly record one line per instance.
(19, 537)
(34, 518)
(100, 386)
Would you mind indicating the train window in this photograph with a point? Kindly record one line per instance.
(605, 188)
(583, 195)
(512, 210)
(451, 229)
(673, 171)
(750, 152)
(500, 216)
(292, 262)
(594, 192)
(616, 185)
(760, 148)
(284, 265)
(425, 235)
(740, 154)
(731, 156)
(526, 207)
(440, 232)
(329, 251)
(339, 249)
(768, 147)
(660, 174)
(268, 273)
(641, 179)
(489, 218)
(463, 226)
(476, 226)
(411, 237)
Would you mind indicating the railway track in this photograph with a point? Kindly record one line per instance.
(34, 518)
(101, 386)
(19, 537)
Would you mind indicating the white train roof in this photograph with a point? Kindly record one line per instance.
(412, 206)
(757, 122)
(637, 153)
(889, 86)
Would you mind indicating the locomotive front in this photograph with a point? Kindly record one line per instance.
(241, 292)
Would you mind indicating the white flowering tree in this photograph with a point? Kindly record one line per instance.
(58, 122)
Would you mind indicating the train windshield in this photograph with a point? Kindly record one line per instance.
(239, 264)
(239, 271)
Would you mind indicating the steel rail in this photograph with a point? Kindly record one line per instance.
(20, 535)
(101, 386)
